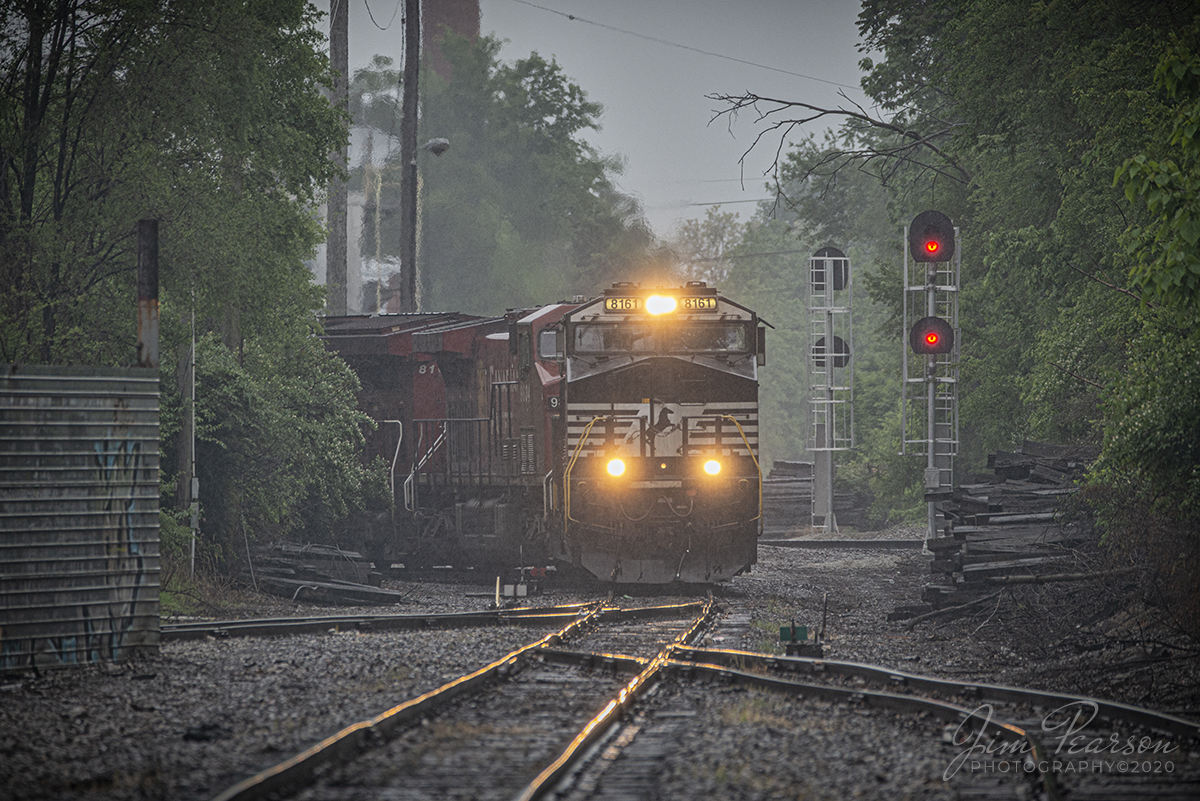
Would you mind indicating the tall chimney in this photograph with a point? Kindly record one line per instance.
(147, 266)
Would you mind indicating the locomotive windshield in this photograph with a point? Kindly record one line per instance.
(705, 337)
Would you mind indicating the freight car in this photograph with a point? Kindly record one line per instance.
(618, 434)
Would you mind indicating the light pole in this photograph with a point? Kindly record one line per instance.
(408, 154)
(410, 184)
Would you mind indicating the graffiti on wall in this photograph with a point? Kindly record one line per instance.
(101, 603)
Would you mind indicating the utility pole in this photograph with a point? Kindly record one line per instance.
(408, 155)
(335, 249)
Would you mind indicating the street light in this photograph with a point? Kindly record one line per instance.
(437, 146)
(408, 218)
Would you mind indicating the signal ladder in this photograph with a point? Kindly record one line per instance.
(831, 381)
(929, 408)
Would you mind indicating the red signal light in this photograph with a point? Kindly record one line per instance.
(931, 335)
(931, 237)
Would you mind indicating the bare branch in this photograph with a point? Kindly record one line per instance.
(1133, 295)
(1076, 376)
(768, 109)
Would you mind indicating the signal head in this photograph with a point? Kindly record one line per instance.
(931, 335)
(931, 237)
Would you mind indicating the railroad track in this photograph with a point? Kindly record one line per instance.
(527, 725)
(1074, 747)
(321, 624)
(536, 723)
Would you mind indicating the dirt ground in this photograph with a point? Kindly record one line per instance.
(1101, 637)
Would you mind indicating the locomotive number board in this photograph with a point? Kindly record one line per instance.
(622, 304)
(687, 304)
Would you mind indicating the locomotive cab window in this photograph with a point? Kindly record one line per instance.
(710, 338)
(549, 347)
(613, 338)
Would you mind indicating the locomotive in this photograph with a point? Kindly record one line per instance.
(618, 434)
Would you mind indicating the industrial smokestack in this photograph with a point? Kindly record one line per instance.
(147, 264)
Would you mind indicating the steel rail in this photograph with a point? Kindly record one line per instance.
(283, 626)
(298, 771)
(266, 627)
(884, 700)
(870, 545)
(666, 610)
(597, 726)
(1107, 710)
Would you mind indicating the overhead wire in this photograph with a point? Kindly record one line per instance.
(669, 43)
(395, 11)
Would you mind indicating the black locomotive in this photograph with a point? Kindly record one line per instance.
(619, 434)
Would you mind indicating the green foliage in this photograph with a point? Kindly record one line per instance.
(1012, 118)
(278, 442)
(701, 245)
(207, 117)
(174, 535)
(1166, 249)
(775, 286)
(1047, 101)
(210, 118)
(1145, 487)
(1152, 428)
(521, 210)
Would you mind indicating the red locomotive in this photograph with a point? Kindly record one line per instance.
(619, 434)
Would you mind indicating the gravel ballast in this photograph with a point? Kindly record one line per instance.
(205, 714)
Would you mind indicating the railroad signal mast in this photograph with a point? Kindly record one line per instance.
(831, 380)
(929, 407)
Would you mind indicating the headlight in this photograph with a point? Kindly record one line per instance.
(660, 304)
(712, 467)
(616, 467)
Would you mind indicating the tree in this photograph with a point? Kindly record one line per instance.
(1012, 117)
(1167, 249)
(521, 210)
(278, 442)
(206, 116)
(210, 117)
(701, 245)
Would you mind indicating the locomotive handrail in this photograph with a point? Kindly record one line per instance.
(757, 467)
(395, 458)
(466, 450)
(547, 496)
(570, 465)
(410, 487)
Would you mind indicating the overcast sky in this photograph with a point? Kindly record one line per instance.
(650, 63)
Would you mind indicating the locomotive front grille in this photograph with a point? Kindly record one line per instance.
(628, 427)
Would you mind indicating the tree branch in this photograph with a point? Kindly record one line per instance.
(1079, 377)
(1133, 295)
(913, 140)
